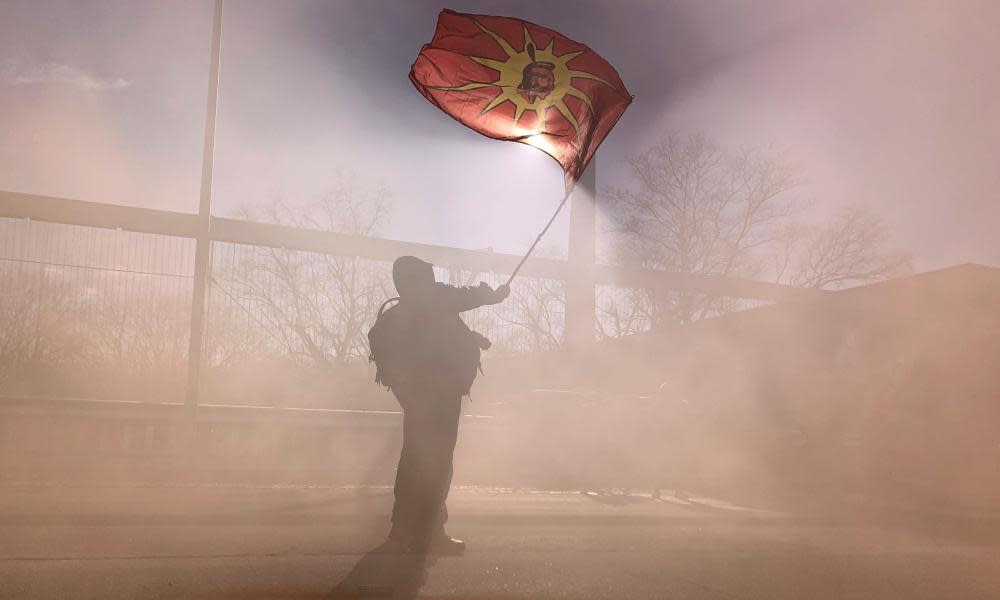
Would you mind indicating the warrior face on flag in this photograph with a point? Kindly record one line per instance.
(539, 78)
(513, 80)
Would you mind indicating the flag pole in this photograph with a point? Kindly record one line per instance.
(540, 236)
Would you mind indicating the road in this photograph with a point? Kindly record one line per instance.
(298, 543)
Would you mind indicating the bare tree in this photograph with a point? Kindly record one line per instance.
(852, 249)
(39, 331)
(534, 316)
(622, 311)
(316, 306)
(697, 208)
(139, 345)
(536, 309)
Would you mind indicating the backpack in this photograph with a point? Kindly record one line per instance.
(384, 344)
(444, 354)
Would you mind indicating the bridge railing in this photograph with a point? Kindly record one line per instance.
(97, 303)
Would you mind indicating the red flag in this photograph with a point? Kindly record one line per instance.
(513, 80)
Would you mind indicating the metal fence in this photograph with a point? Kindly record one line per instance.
(105, 313)
(93, 312)
(97, 303)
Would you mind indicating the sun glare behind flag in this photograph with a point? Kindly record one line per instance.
(513, 80)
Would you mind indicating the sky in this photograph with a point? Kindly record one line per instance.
(885, 104)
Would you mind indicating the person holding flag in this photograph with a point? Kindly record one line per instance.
(510, 80)
(428, 357)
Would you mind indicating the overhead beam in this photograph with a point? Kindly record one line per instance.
(144, 220)
(373, 248)
(50, 209)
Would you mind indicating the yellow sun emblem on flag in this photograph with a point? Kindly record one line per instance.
(533, 79)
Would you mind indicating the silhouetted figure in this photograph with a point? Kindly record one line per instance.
(429, 358)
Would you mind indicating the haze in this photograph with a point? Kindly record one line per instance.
(884, 104)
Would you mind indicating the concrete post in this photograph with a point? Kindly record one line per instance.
(203, 243)
(580, 292)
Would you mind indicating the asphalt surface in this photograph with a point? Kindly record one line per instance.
(298, 543)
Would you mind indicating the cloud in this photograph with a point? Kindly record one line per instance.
(18, 72)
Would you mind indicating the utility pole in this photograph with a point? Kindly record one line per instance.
(203, 241)
(581, 304)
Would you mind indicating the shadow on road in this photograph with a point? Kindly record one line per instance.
(384, 572)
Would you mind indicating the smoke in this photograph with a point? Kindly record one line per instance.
(883, 104)
(882, 394)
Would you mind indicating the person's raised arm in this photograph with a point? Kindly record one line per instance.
(460, 299)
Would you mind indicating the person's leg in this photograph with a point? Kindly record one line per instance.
(407, 487)
(437, 467)
(449, 437)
